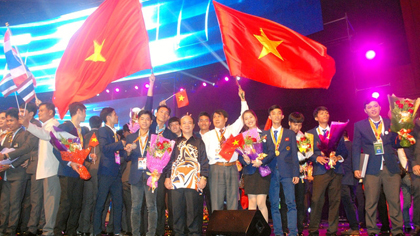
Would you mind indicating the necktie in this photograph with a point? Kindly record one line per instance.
(275, 134)
(377, 124)
(325, 131)
(222, 136)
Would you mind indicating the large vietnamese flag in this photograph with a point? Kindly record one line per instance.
(265, 51)
(111, 44)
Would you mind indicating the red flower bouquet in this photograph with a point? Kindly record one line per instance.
(158, 156)
(403, 115)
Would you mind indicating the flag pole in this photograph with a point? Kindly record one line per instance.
(169, 97)
(17, 102)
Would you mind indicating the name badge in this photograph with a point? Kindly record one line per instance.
(117, 158)
(142, 164)
(379, 148)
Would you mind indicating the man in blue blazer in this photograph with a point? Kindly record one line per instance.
(325, 179)
(138, 176)
(284, 165)
(109, 172)
(373, 136)
(159, 126)
(70, 183)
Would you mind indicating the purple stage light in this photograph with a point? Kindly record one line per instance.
(107, 90)
(370, 54)
(204, 84)
(117, 90)
(136, 87)
(226, 78)
(147, 86)
(375, 95)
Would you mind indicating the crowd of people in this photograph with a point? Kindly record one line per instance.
(41, 193)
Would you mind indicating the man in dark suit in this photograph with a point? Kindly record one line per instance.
(414, 165)
(158, 126)
(325, 179)
(348, 189)
(90, 188)
(138, 177)
(109, 172)
(14, 180)
(204, 122)
(36, 189)
(373, 136)
(284, 164)
(70, 183)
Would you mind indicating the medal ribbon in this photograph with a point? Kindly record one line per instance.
(377, 131)
(276, 143)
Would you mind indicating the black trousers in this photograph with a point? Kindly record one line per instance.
(70, 205)
(161, 207)
(331, 182)
(360, 199)
(347, 199)
(187, 212)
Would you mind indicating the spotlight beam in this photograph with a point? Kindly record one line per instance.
(195, 77)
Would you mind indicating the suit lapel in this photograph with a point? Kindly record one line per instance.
(368, 130)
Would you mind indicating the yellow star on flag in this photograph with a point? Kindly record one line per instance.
(96, 56)
(269, 46)
(236, 142)
(181, 98)
(94, 140)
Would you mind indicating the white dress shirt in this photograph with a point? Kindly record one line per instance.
(212, 143)
(47, 162)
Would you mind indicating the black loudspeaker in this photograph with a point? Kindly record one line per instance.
(238, 223)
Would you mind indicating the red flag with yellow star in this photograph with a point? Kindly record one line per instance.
(181, 98)
(265, 51)
(229, 146)
(93, 142)
(112, 43)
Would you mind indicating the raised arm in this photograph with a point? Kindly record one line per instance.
(238, 124)
(149, 99)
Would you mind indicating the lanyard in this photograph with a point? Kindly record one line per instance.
(377, 131)
(220, 138)
(277, 143)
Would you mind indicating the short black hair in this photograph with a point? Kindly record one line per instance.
(204, 113)
(174, 119)
(345, 134)
(318, 109)
(106, 112)
(49, 106)
(13, 112)
(145, 112)
(164, 106)
(296, 117)
(30, 107)
(95, 122)
(273, 107)
(367, 101)
(74, 107)
(126, 128)
(221, 112)
(3, 112)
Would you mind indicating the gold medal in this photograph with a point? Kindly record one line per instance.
(277, 143)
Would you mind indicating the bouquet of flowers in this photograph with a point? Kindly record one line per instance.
(158, 156)
(403, 112)
(71, 149)
(330, 140)
(253, 148)
(305, 144)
